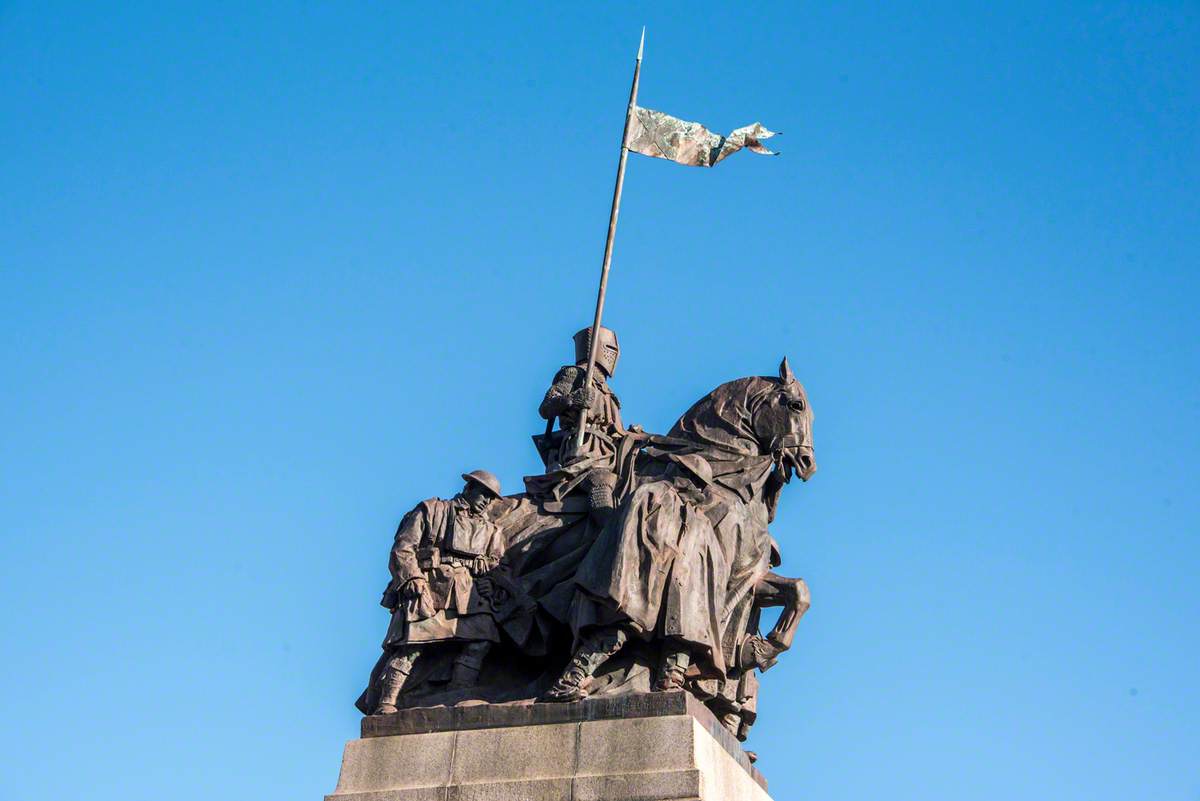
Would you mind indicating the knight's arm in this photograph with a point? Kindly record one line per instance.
(616, 413)
(558, 397)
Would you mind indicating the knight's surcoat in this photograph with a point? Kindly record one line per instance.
(602, 431)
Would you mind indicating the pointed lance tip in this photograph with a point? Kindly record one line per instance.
(642, 43)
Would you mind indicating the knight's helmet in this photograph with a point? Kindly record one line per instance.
(607, 354)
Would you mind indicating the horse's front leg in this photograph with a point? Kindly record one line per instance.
(775, 590)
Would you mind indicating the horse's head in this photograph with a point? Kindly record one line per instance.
(761, 415)
(782, 423)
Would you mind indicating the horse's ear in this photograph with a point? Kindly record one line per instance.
(785, 372)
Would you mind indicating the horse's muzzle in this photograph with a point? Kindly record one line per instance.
(806, 464)
(800, 458)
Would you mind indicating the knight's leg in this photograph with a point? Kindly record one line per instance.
(468, 664)
(394, 676)
(600, 485)
(673, 666)
(594, 652)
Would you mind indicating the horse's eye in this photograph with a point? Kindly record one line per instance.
(796, 405)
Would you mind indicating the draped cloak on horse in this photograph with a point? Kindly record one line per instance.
(683, 565)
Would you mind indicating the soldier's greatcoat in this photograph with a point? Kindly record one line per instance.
(447, 545)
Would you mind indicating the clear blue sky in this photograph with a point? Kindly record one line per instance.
(272, 273)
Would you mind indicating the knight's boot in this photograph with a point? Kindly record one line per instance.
(733, 722)
(672, 668)
(468, 664)
(394, 676)
(573, 684)
(600, 496)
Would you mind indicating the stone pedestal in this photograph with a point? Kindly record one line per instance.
(646, 747)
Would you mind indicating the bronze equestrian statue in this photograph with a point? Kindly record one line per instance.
(636, 563)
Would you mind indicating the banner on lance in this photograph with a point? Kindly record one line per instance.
(653, 133)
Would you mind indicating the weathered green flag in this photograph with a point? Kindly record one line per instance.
(662, 136)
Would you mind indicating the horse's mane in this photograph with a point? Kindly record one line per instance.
(720, 427)
(724, 418)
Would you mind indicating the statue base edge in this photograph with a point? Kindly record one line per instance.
(638, 747)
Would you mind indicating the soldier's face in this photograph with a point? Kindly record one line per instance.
(476, 497)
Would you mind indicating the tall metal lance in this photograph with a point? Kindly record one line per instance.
(608, 244)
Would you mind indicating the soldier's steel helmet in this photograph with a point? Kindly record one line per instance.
(484, 479)
(606, 355)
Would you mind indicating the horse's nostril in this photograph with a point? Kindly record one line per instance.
(808, 465)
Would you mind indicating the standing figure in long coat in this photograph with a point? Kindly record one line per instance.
(440, 590)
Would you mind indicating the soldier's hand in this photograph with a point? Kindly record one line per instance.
(415, 588)
(425, 605)
(420, 597)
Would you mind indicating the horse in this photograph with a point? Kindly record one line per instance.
(685, 563)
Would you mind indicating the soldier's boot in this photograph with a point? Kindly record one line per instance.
(468, 664)
(394, 676)
(672, 667)
(600, 485)
(596, 649)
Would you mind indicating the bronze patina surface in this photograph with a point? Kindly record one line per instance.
(636, 564)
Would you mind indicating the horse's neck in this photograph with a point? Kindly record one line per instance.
(747, 475)
(720, 427)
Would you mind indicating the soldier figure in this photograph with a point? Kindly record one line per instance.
(592, 465)
(440, 590)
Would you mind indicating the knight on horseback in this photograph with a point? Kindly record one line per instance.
(590, 465)
(685, 563)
